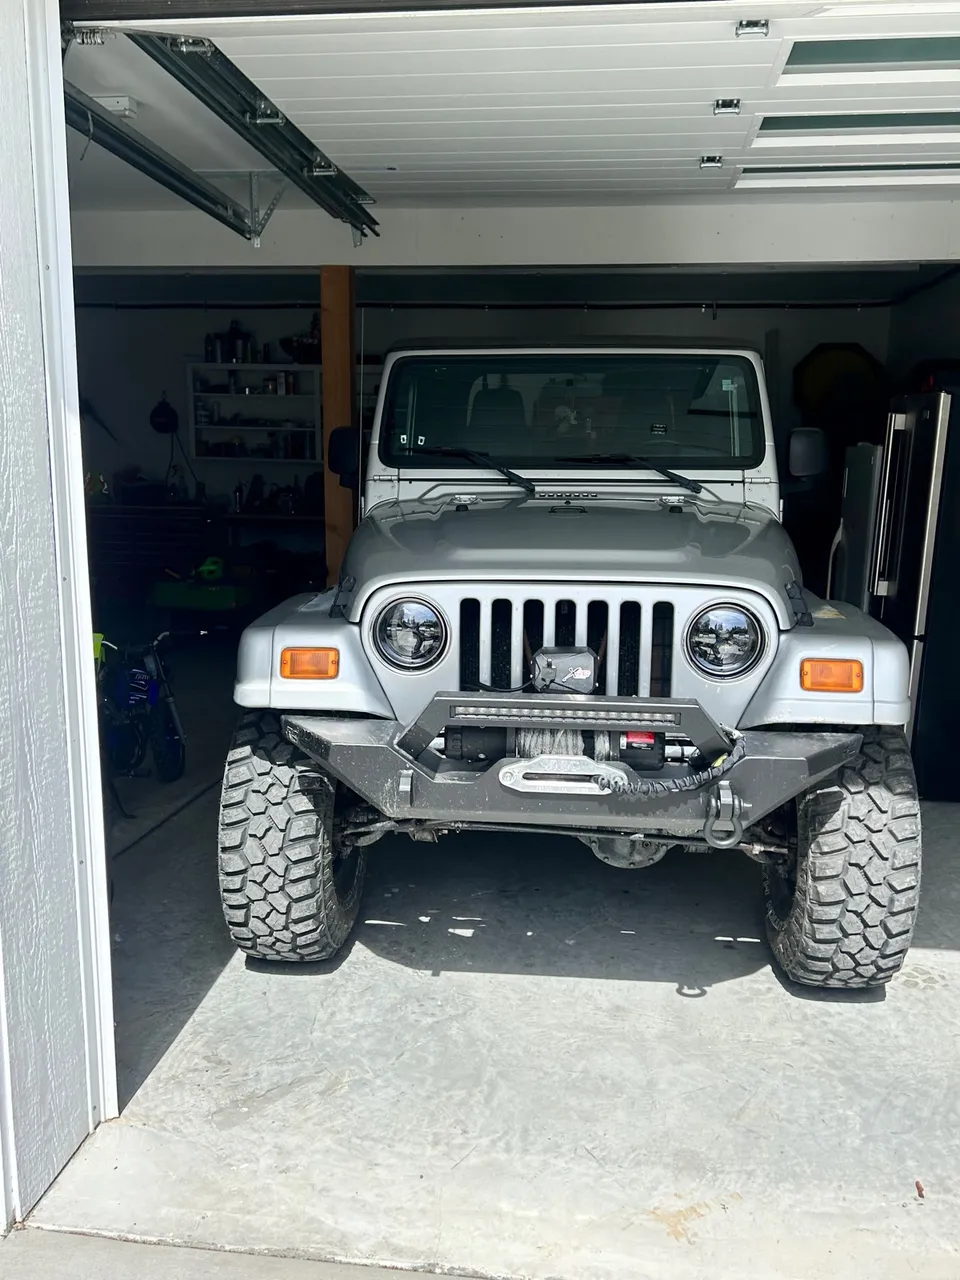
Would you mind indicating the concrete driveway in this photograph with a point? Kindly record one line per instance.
(528, 1064)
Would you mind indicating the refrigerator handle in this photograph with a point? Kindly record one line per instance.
(832, 559)
(880, 585)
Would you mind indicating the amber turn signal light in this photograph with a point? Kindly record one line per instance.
(831, 675)
(310, 664)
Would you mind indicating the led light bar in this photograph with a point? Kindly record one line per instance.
(500, 715)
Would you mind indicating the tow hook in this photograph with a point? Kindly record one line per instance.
(724, 809)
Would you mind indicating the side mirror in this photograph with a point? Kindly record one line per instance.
(808, 454)
(343, 455)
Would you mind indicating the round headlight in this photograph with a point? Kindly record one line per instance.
(724, 640)
(410, 634)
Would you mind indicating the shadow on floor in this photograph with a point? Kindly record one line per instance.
(523, 905)
(546, 905)
(473, 904)
(169, 940)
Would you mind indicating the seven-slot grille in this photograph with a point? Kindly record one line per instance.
(633, 639)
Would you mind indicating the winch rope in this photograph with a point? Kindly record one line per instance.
(625, 785)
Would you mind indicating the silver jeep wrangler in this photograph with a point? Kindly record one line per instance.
(570, 607)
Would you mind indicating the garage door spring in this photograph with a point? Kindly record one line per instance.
(625, 785)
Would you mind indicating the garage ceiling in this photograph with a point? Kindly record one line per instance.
(584, 105)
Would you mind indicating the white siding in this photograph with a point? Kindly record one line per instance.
(51, 1085)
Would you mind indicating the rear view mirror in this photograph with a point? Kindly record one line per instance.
(343, 455)
(808, 455)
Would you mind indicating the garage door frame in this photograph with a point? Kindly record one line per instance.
(57, 1057)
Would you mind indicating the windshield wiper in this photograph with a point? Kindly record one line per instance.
(480, 460)
(634, 460)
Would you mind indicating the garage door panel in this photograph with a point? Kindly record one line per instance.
(556, 102)
(508, 132)
(539, 165)
(541, 193)
(507, 89)
(532, 62)
(520, 152)
(641, 119)
(476, 108)
(507, 31)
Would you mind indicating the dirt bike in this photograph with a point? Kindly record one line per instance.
(137, 709)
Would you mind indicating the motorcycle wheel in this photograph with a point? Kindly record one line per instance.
(126, 747)
(166, 745)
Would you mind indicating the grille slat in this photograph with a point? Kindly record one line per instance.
(486, 638)
(613, 649)
(580, 626)
(517, 676)
(635, 642)
(646, 640)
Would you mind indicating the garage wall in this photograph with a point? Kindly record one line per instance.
(128, 357)
(926, 328)
(797, 330)
(742, 229)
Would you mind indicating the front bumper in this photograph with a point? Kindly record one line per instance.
(392, 767)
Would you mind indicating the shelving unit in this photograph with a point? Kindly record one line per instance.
(237, 413)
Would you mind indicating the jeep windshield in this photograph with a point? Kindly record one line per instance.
(561, 411)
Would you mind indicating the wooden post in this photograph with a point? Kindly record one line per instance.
(339, 402)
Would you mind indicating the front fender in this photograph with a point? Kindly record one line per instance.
(839, 631)
(306, 621)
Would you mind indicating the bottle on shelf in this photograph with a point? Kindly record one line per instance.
(238, 343)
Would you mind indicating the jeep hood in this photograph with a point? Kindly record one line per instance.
(714, 544)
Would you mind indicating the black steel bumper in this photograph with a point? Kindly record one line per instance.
(392, 767)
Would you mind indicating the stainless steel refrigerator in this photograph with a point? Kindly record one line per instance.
(897, 555)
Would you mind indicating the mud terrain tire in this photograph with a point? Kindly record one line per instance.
(843, 914)
(287, 892)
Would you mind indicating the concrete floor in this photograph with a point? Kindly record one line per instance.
(53, 1255)
(528, 1064)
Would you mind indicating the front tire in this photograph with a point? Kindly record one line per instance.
(288, 892)
(841, 911)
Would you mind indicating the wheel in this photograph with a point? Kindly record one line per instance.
(288, 893)
(166, 745)
(126, 746)
(841, 908)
